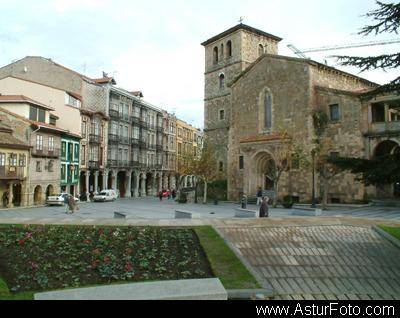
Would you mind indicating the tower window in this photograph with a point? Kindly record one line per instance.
(261, 49)
(229, 49)
(221, 166)
(215, 55)
(222, 51)
(267, 111)
(241, 162)
(221, 81)
(222, 114)
(334, 112)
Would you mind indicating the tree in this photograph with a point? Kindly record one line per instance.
(387, 20)
(203, 167)
(322, 149)
(381, 170)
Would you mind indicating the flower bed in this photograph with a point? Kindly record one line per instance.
(35, 258)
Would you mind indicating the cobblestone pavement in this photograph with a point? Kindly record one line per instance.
(320, 262)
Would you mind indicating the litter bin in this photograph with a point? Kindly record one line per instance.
(244, 202)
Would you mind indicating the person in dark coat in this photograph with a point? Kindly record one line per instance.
(264, 210)
(173, 194)
(259, 196)
(160, 194)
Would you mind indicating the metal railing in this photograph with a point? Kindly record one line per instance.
(46, 152)
(113, 138)
(135, 141)
(95, 138)
(114, 113)
(94, 164)
(12, 172)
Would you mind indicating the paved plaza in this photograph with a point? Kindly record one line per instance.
(321, 262)
(334, 256)
(152, 208)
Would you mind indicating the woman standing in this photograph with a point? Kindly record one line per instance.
(264, 210)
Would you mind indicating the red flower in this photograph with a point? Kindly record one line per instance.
(128, 267)
(87, 241)
(101, 232)
(21, 242)
(96, 251)
(129, 250)
(106, 259)
(94, 265)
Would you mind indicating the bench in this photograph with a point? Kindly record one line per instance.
(191, 289)
(244, 213)
(119, 215)
(182, 215)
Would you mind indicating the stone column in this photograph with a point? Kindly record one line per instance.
(96, 182)
(105, 180)
(143, 186)
(165, 182)
(160, 185)
(128, 185)
(10, 195)
(87, 176)
(136, 185)
(114, 179)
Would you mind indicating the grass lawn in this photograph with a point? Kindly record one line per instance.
(394, 231)
(224, 263)
(41, 258)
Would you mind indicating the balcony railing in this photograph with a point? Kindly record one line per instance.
(11, 172)
(152, 147)
(142, 144)
(95, 138)
(383, 128)
(135, 141)
(46, 152)
(159, 128)
(134, 164)
(114, 113)
(144, 124)
(125, 117)
(159, 147)
(112, 163)
(94, 164)
(113, 138)
(125, 140)
(135, 120)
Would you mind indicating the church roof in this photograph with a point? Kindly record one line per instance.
(306, 61)
(241, 26)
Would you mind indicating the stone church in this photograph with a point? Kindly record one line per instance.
(257, 100)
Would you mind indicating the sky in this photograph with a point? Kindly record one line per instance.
(154, 46)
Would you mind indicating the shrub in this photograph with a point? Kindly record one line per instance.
(287, 202)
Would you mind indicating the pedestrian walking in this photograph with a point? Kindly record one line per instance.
(71, 204)
(66, 200)
(259, 196)
(160, 194)
(264, 210)
(173, 194)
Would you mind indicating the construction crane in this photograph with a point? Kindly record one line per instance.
(301, 54)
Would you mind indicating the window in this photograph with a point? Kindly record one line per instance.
(229, 49)
(39, 142)
(41, 116)
(72, 101)
(2, 159)
(63, 150)
(221, 81)
(241, 162)
(13, 158)
(267, 110)
(22, 160)
(38, 166)
(221, 166)
(215, 55)
(70, 152)
(83, 154)
(51, 143)
(334, 112)
(53, 120)
(50, 166)
(83, 128)
(222, 114)
(222, 51)
(261, 49)
(378, 112)
(33, 113)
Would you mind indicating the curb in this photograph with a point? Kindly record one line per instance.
(387, 236)
(248, 294)
(263, 282)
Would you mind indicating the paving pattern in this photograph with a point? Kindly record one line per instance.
(321, 262)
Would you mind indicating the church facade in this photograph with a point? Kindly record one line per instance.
(257, 103)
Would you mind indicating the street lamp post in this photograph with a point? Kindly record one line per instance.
(313, 203)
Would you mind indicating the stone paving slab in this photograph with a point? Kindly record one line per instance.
(193, 289)
(323, 262)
